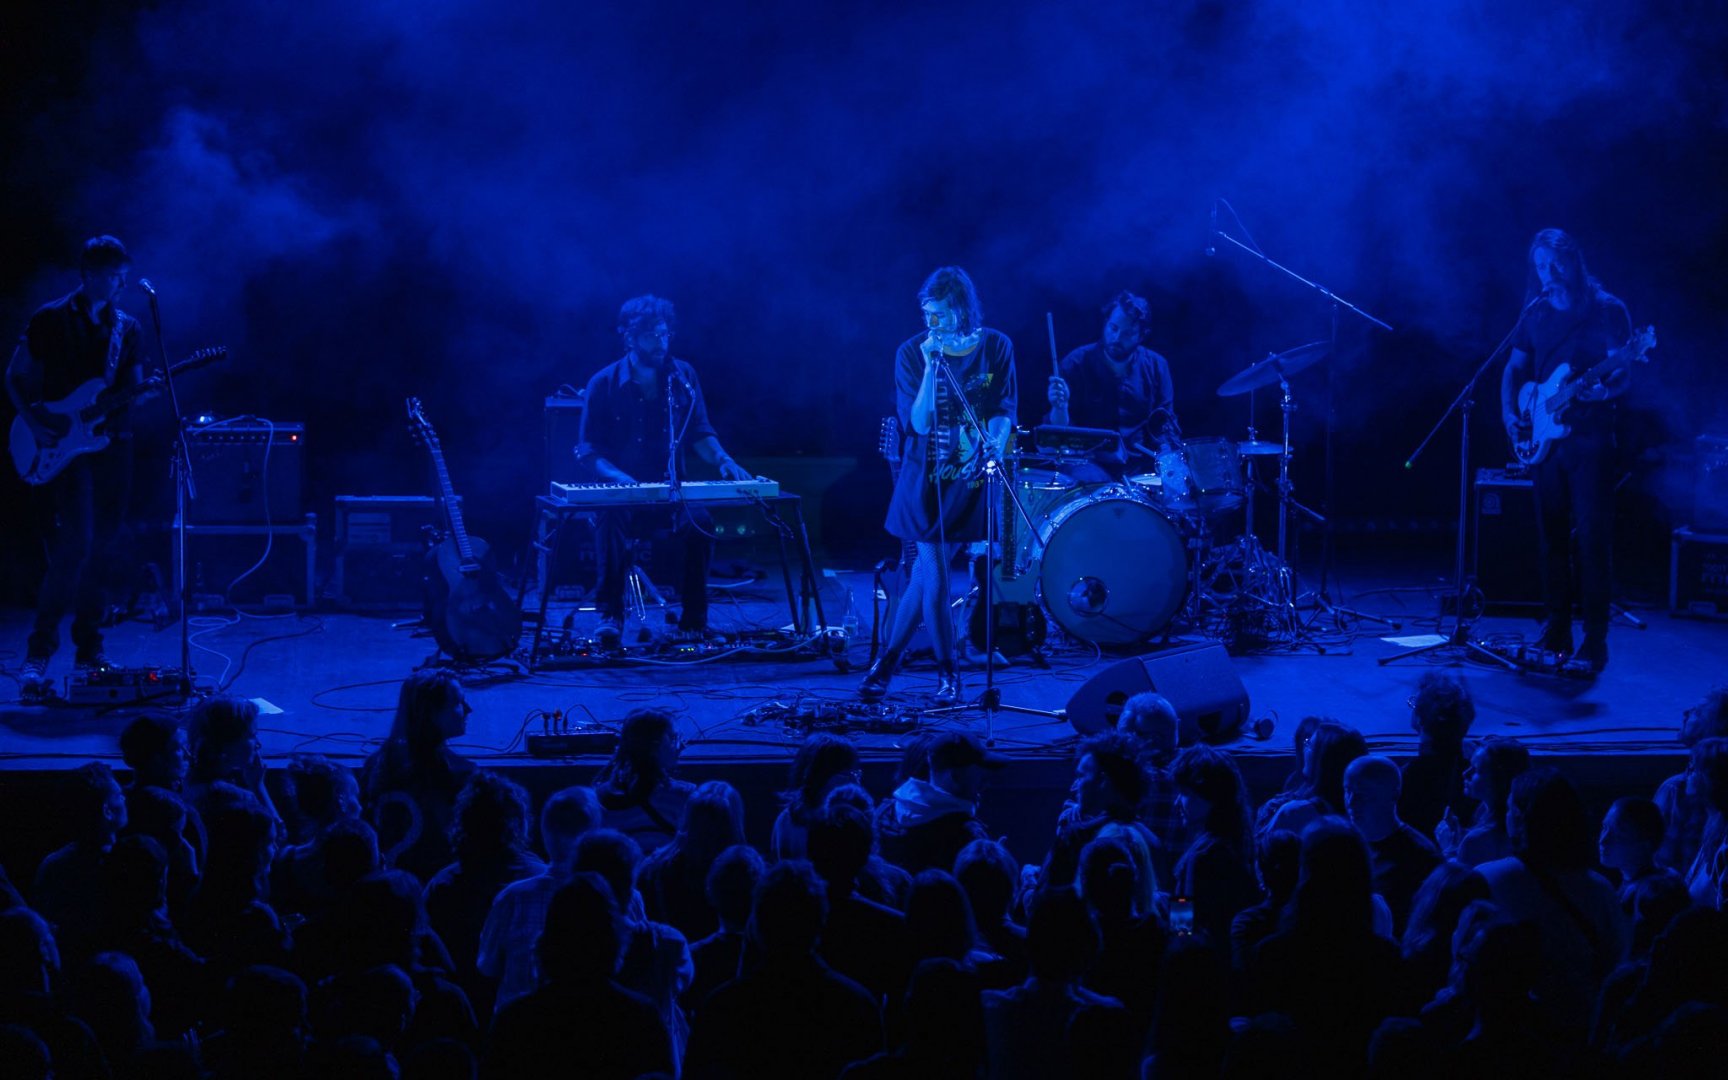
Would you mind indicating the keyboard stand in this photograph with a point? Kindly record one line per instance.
(551, 515)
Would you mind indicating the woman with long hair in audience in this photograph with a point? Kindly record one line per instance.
(1551, 880)
(1331, 749)
(823, 763)
(1496, 763)
(1213, 874)
(409, 785)
(674, 880)
(1296, 782)
(222, 737)
(1327, 969)
(639, 796)
(1427, 943)
(1707, 782)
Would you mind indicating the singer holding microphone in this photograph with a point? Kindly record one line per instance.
(81, 336)
(644, 415)
(938, 501)
(1571, 320)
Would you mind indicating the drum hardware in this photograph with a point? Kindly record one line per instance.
(1336, 306)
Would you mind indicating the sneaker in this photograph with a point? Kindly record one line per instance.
(33, 684)
(610, 633)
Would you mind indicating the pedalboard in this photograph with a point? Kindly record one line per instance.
(123, 686)
(589, 740)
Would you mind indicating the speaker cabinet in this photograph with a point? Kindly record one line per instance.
(1505, 563)
(1198, 680)
(246, 473)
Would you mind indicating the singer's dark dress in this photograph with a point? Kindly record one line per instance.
(939, 494)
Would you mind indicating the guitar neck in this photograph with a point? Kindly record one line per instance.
(452, 508)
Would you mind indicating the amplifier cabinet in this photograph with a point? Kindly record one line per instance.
(1698, 574)
(380, 543)
(1506, 557)
(247, 473)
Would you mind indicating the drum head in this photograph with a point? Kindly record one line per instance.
(1114, 570)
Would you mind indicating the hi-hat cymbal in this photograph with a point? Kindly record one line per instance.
(1258, 448)
(1276, 366)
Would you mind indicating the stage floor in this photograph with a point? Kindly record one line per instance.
(334, 676)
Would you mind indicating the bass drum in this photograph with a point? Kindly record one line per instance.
(1114, 569)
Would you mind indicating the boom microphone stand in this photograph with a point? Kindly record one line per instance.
(185, 492)
(1462, 405)
(1338, 305)
(994, 483)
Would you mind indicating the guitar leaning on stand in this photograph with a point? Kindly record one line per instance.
(1542, 405)
(468, 610)
(83, 414)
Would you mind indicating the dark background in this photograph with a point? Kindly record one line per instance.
(450, 198)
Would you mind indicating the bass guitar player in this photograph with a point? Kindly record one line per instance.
(1576, 323)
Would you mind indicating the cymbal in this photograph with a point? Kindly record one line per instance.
(1276, 366)
(1259, 448)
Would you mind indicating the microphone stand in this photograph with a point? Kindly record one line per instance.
(1337, 304)
(994, 483)
(185, 492)
(1462, 405)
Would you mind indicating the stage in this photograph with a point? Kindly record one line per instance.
(327, 682)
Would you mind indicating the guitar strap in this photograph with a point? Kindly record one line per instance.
(116, 335)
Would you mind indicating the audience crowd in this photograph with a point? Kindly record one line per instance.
(1453, 915)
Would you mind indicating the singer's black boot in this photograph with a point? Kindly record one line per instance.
(875, 685)
(947, 687)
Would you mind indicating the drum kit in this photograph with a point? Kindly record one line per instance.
(1118, 561)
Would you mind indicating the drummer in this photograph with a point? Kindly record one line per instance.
(1117, 383)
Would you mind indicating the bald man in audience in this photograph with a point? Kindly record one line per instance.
(1403, 858)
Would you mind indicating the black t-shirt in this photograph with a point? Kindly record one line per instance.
(1137, 403)
(938, 492)
(1580, 337)
(70, 349)
(1402, 862)
(621, 424)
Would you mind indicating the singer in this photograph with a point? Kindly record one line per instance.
(1119, 384)
(938, 500)
(644, 415)
(81, 336)
(1577, 323)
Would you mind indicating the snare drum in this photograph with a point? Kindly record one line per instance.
(1114, 570)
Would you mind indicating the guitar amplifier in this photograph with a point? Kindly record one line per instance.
(380, 550)
(1698, 574)
(1710, 485)
(1505, 565)
(563, 427)
(247, 472)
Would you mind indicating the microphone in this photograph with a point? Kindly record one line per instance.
(144, 283)
(1211, 247)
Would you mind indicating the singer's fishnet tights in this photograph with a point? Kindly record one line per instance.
(926, 601)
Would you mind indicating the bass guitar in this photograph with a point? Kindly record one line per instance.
(468, 610)
(79, 418)
(1541, 405)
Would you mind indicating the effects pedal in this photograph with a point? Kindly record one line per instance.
(123, 686)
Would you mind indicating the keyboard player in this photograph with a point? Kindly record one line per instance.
(645, 419)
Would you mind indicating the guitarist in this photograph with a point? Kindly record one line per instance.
(1578, 323)
(79, 337)
(635, 407)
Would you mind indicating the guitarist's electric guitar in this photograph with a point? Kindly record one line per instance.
(1542, 405)
(79, 419)
(467, 608)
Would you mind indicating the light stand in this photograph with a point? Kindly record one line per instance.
(185, 493)
(1462, 405)
(994, 483)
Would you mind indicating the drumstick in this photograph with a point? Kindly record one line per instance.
(1050, 324)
